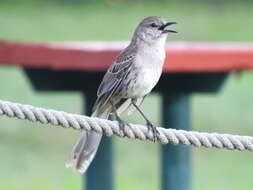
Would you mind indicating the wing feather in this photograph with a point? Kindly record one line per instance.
(112, 81)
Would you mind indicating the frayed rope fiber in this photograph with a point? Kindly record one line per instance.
(135, 131)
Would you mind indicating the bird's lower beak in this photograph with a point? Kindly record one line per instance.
(163, 27)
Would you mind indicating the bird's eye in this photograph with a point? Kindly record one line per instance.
(153, 25)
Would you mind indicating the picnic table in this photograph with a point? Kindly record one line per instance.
(79, 66)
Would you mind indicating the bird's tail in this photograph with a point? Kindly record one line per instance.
(86, 147)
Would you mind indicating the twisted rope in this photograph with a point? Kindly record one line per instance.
(109, 128)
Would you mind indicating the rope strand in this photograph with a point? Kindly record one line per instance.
(135, 131)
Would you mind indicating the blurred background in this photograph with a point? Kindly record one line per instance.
(33, 156)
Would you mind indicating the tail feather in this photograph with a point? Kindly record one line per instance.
(86, 147)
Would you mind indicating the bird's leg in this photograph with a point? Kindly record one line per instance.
(149, 123)
(121, 122)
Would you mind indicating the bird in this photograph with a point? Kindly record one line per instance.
(130, 78)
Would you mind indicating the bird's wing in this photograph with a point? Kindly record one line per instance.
(112, 81)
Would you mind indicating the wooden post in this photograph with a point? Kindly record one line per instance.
(176, 160)
(100, 173)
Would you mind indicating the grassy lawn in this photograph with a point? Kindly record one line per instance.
(33, 157)
(197, 21)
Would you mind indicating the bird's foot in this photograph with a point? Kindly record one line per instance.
(122, 125)
(154, 130)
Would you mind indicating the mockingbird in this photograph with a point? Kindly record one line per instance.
(129, 79)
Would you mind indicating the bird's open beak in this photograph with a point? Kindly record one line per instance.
(163, 27)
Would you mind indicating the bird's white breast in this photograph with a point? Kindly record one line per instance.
(149, 63)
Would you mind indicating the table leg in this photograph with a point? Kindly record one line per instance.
(100, 173)
(176, 160)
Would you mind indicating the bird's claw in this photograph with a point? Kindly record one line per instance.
(154, 130)
(122, 126)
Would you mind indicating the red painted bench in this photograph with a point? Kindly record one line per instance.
(97, 56)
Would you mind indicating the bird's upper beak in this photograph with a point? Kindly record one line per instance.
(163, 27)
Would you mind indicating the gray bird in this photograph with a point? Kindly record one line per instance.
(129, 79)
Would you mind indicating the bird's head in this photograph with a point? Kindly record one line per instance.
(153, 28)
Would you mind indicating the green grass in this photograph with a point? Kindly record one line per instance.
(33, 157)
(115, 21)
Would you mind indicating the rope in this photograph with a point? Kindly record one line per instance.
(109, 128)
